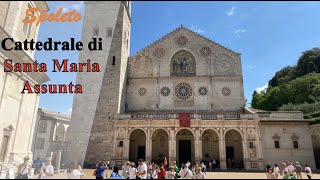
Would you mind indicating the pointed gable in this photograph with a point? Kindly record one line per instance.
(211, 58)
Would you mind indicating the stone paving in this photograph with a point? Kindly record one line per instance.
(210, 175)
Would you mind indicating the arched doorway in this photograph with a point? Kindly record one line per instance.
(137, 147)
(185, 146)
(160, 146)
(210, 146)
(234, 151)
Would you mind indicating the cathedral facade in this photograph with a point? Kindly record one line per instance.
(180, 98)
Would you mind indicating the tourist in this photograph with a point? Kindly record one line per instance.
(150, 166)
(161, 172)
(176, 169)
(214, 164)
(24, 169)
(210, 165)
(233, 163)
(47, 170)
(285, 171)
(308, 171)
(185, 173)
(270, 174)
(115, 173)
(198, 174)
(132, 171)
(268, 166)
(229, 163)
(99, 172)
(142, 169)
(74, 171)
(125, 170)
(188, 164)
(154, 172)
(276, 170)
(171, 173)
(203, 168)
(108, 164)
(298, 170)
(290, 168)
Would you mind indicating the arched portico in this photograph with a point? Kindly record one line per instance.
(137, 145)
(185, 146)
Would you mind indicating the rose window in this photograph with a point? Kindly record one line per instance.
(183, 91)
(226, 91)
(205, 51)
(165, 91)
(142, 91)
(203, 91)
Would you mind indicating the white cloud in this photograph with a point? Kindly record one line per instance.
(239, 31)
(76, 5)
(262, 88)
(231, 11)
(197, 29)
(250, 67)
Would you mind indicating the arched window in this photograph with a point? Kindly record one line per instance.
(43, 127)
(183, 64)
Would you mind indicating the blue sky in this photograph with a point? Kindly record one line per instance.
(269, 35)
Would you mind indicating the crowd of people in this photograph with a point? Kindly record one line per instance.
(288, 171)
(157, 171)
(152, 171)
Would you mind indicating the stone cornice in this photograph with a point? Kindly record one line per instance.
(187, 79)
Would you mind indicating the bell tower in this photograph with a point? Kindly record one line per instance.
(103, 95)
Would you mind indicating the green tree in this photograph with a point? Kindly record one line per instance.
(309, 61)
(285, 75)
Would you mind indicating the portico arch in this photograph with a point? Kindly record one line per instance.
(185, 146)
(137, 145)
(210, 145)
(160, 145)
(234, 150)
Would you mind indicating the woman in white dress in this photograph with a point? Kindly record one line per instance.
(199, 174)
(74, 171)
(132, 171)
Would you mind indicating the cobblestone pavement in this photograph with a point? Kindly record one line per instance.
(210, 175)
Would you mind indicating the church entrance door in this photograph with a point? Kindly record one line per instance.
(137, 146)
(141, 152)
(184, 151)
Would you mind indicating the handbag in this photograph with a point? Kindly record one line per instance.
(20, 176)
(95, 173)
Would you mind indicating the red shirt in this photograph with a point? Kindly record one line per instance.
(162, 174)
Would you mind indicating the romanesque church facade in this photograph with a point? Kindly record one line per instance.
(180, 98)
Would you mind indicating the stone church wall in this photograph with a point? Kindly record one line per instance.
(286, 133)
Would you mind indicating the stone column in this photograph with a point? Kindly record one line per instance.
(173, 147)
(126, 145)
(259, 149)
(196, 148)
(200, 148)
(148, 146)
(222, 150)
(246, 162)
(58, 162)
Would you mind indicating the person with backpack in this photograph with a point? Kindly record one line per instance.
(185, 172)
(298, 170)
